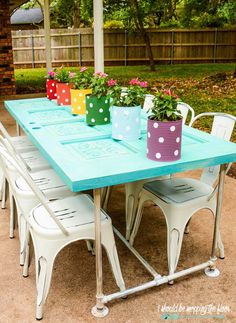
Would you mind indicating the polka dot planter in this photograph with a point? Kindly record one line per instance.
(51, 89)
(126, 123)
(78, 98)
(97, 110)
(164, 140)
(63, 93)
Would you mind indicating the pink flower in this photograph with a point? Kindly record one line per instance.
(83, 69)
(101, 74)
(134, 82)
(71, 75)
(111, 82)
(51, 74)
(168, 92)
(143, 84)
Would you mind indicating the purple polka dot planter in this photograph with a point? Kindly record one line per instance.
(97, 110)
(126, 123)
(164, 140)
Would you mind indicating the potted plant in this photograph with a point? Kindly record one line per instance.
(126, 109)
(63, 86)
(164, 128)
(51, 85)
(98, 102)
(81, 83)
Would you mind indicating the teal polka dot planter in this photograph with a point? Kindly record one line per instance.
(97, 110)
(126, 123)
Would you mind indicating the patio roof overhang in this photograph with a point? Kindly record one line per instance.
(98, 31)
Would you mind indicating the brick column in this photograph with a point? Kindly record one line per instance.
(7, 81)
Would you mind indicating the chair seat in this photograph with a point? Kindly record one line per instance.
(34, 160)
(22, 144)
(73, 212)
(178, 190)
(44, 179)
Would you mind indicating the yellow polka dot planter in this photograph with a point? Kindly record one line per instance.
(97, 110)
(78, 100)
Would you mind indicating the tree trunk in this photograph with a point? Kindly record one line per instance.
(76, 14)
(145, 35)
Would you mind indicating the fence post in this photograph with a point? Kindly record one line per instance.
(80, 49)
(172, 47)
(215, 46)
(32, 47)
(125, 48)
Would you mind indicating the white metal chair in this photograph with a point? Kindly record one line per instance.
(53, 224)
(133, 189)
(180, 198)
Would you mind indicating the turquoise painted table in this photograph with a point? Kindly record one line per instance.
(87, 157)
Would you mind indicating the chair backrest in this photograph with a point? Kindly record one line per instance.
(185, 110)
(7, 156)
(222, 127)
(148, 102)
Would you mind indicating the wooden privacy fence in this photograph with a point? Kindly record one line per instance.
(75, 47)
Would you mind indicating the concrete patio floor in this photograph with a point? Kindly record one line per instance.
(72, 292)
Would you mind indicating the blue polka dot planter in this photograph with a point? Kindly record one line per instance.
(126, 123)
(164, 140)
(97, 110)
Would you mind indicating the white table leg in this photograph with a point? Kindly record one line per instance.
(99, 310)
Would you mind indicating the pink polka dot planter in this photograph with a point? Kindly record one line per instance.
(78, 100)
(97, 110)
(126, 123)
(51, 89)
(164, 140)
(63, 93)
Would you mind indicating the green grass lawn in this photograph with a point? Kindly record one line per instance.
(206, 87)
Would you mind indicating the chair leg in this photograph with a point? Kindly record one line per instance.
(12, 215)
(4, 193)
(106, 197)
(220, 245)
(138, 218)
(108, 242)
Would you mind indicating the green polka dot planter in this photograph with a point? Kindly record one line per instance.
(97, 110)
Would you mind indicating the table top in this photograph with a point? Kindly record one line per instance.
(87, 157)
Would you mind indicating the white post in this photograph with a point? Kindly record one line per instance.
(98, 36)
(47, 36)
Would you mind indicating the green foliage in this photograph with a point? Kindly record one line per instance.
(130, 96)
(165, 106)
(82, 79)
(99, 84)
(63, 75)
(114, 24)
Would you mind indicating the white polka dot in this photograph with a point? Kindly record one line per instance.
(116, 125)
(155, 125)
(176, 152)
(53, 84)
(161, 139)
(58, 96)
(120, 136)
(61, 103)
(101, 110)
(178, 139)
(158, 155)
(86, 112)
(172, 128)
(105, 119)
(92, 120)
(51, 91)
(91, 105)
(63, 91)
(127, 128)
(75, 99)
(67, 100)
(79, 108)
(47, 96)
(149, 135)
(106, 101)
(55, 94)
(147, 150)
(88, 97)
(84, 101)
(80, 94)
